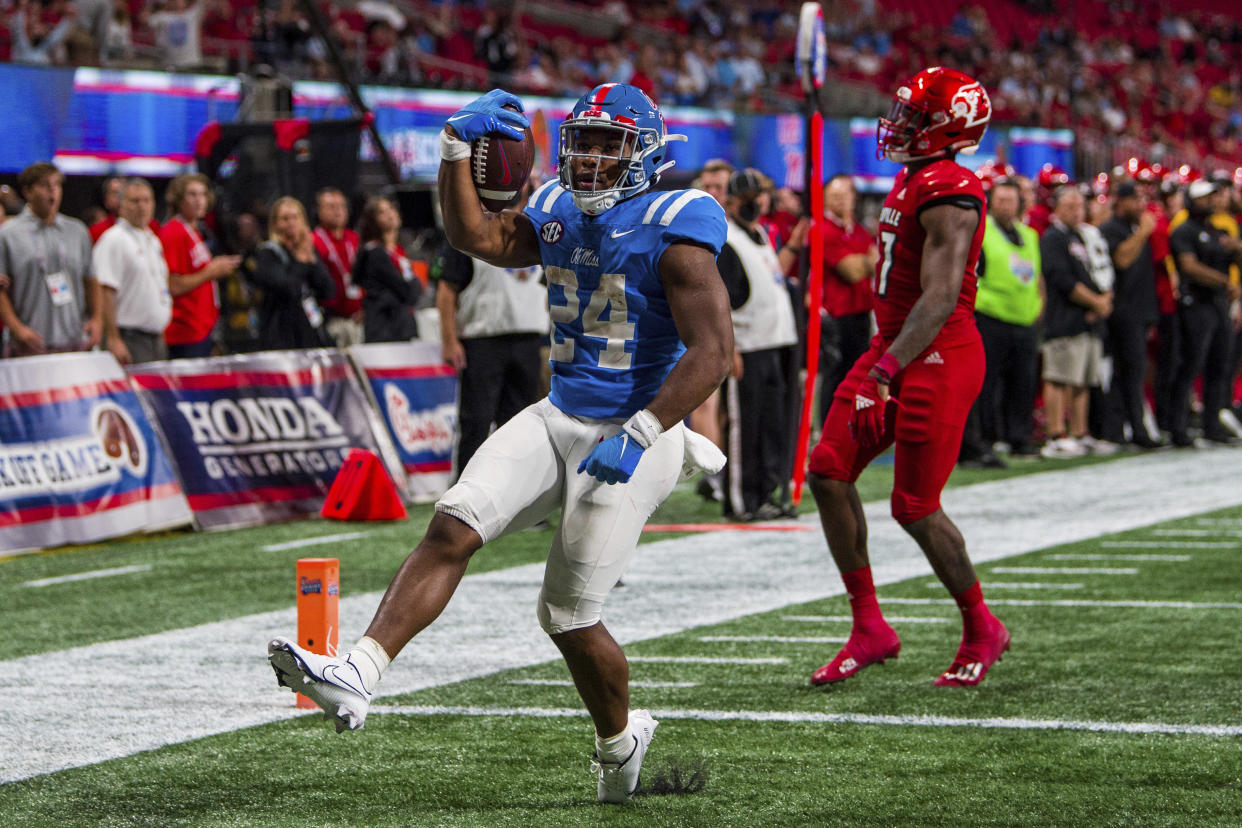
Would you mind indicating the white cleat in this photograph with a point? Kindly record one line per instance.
(618, 781)
(332, 683)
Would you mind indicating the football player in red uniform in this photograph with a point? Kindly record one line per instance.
(916, 384)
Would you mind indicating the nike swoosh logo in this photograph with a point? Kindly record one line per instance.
(458, 118)
(616, 234)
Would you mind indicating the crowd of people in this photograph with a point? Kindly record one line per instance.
(1121, 74)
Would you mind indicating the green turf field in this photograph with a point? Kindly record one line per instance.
(1119, 703)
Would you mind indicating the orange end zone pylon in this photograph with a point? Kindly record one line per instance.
(319, 608)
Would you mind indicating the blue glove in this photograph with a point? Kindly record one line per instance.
(613, 460)
(488, 114)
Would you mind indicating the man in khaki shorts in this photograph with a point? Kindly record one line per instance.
(1073, 326)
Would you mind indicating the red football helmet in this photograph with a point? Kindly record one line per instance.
(990, 172)
(1049, 179)
(937, 112)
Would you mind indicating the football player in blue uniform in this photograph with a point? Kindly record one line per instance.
(642, 335)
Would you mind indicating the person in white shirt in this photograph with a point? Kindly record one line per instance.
(178, 33)
(128, 261)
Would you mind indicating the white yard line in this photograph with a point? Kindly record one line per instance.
(1070, 556)
(88, 576)
(1018, 602)
(1063, 570)
(1197, 533)
(1014, 585)
(702, 660)
(1216, 730)
(320, 540)
(633, 683)
(116, 698)
(892, 619)
(772, 639)
(1125, 544)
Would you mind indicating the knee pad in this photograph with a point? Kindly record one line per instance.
(907, 508)
(826, 461)
(561, 616)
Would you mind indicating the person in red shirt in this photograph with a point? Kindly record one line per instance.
(850, 257)
(927, 354)
(192, 270)
(337, 247)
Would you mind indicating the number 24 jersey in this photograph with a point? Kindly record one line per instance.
(613, 335)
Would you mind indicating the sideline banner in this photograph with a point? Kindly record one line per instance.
(416, 394)
(79, 461)
(258, 437)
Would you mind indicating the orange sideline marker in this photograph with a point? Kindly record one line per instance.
(319, 608)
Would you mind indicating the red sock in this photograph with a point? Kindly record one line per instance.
(863, 603)
(975, 613)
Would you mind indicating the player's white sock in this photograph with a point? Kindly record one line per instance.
(370, 660)
(615, 749)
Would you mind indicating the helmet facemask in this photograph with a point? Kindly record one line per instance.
(602, 161)
(895, 133)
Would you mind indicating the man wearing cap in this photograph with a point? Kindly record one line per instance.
(1135, 311)
(1203, 254)
(765, 337)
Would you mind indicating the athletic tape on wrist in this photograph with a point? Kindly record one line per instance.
(453, 149)
(644, 428)
(885, 368)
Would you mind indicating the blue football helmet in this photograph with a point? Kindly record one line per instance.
(613, 125)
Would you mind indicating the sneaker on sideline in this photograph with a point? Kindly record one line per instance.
(618, 781)
(1229, 422)
(330, 682)
(859, 652)
(1099, 448)
(1063, 447)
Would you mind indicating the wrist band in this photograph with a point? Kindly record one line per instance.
(453, 149)
(885, 368)
(644, 428)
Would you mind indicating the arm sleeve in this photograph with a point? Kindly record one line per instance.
(1054, 255)
(106, 262)
(456, 268)
(275, 275)
(1182, 240)
(1115, 233)
(736, 283)
(320, 280)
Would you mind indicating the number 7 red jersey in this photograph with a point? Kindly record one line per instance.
(901, 238)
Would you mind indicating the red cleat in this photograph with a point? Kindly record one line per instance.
(975, 658)
(862, 650)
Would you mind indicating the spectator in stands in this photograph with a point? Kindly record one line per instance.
(111, 194)
(495, 43)
(94, 19)
(1135, 312)
(118, 42)
(1203, 253)
(759, 438)
(294, 282)
(1076, 308)
(129, 264)
(32, 41)
(1164, 201)
(1008, 307)
(850, 257)
(49, 298)
(178, 33)
(337, 246)
(494, 323)
(382, 271)
(192, 269)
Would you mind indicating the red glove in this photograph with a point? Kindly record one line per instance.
(867, 416)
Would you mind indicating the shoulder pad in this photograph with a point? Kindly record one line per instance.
(947, 178)
(543, 199)
(687, 215)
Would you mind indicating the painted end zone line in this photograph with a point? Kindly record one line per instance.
(898, 619)
(86, 576)
(1067, 556)
(319, 541)
(1019, 602)
(774, 639)
(832, 718)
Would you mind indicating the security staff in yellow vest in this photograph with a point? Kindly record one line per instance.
(1008, 306)
(759, 441)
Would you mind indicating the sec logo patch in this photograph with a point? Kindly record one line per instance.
(551, 232)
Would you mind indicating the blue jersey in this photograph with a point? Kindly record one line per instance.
(613, 337)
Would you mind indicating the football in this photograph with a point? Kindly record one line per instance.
(500, 167)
